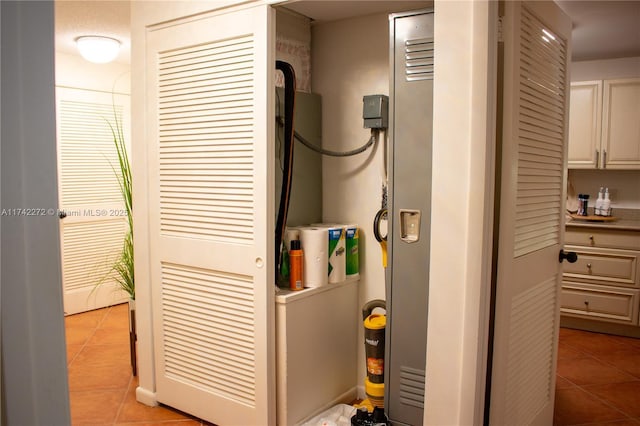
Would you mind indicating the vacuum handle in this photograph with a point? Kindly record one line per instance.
(371, 305)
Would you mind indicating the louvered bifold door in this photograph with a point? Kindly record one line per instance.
(92, 213)
(531, 230)
(210, 223)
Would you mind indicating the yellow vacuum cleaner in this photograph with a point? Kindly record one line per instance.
(374, 338)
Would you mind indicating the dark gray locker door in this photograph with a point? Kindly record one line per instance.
(410, 195)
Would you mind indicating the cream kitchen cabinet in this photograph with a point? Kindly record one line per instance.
(585, 119)
(604, 283)
(604, 124)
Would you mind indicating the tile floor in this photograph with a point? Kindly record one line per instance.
(101, 384)
(598, 377)
(598, 380)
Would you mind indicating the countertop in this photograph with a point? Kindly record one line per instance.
(627, 220)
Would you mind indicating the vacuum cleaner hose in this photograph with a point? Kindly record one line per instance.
(285, 192)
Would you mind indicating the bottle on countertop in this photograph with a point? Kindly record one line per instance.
(606, 203)
(284, 264)
(295, 266)
(583, 204)
(599, 202)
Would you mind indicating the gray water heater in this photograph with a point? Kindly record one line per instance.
(305, 202)
(407, 276)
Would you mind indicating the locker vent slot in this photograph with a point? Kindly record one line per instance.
(531, 337)
(206, 141)
(209, 331)
(412, 386)
(419, 59)
(541, 135)
(88, 154)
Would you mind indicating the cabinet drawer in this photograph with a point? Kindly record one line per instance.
(595, 237)
(597, 302)
(608, 267)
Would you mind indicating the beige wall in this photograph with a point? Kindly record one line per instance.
(624, 186)
(605, 68)
(350, 59)
(74, 71)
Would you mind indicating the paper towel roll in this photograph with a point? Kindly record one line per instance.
(337, 254)
(315, 243)
(352, 254)
(336, 251)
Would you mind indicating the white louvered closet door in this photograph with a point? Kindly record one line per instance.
(211, 229)
(92, 233)
(534, 143)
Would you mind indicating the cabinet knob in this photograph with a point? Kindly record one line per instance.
(589, 266)
(591, 239)
(586, 305)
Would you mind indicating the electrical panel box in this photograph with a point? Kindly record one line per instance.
(375, 111)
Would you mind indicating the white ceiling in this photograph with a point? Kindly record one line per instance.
(601, 29)
(333, 10)
(92, 17)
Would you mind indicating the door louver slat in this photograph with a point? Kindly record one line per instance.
(85, 262)
(199, 350)
(206, 106)
(88, 156)
(541, 137)
(530, 352)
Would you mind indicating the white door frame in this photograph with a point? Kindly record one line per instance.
(462, 211)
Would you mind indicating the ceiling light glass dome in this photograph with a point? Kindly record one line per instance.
(98, 49)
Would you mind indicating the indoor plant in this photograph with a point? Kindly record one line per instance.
(123, 267)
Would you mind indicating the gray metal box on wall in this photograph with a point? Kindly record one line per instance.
(407, 277)
(305, 202)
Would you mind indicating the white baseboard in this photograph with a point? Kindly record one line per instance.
(146, 397)
(361, 393)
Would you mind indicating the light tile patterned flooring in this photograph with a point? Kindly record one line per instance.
(598, 377)
(101, 385)
(598, 380)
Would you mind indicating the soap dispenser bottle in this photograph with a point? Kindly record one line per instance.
(606, 203)
(599, 202)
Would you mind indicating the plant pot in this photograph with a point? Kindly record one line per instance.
(132, 336)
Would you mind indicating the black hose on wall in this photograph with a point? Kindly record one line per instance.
(289, 101)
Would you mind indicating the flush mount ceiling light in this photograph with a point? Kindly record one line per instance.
(98, 49)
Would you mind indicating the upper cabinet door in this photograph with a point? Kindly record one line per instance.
(585, 116)
(604, 124)
(621, 124)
